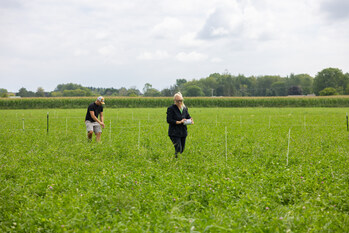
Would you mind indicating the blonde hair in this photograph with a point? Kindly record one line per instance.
(179, 95)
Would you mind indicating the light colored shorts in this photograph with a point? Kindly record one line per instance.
(93, 126)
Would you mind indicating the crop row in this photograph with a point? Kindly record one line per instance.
(143, 102)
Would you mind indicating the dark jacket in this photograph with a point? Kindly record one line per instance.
(173, 115)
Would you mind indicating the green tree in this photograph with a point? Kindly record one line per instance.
(193, 90)
(264, 84)
(123, 91)
(180, 83)
(22, 92)
(279, 88)
(149, 91)
(303, 81)
(146, 87)
(71, 89)
(40, 92)
(133, 92)
(3, 92)
(295, 90)
(152, 92)
(76, 92)
(166, 92)
(328, 91)
(330, 77)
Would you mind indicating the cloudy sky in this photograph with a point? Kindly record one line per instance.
(123, 43)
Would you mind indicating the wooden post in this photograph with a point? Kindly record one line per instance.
(47, 122)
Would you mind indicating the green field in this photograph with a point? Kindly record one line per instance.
(240, 172)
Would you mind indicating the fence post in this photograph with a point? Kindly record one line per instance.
(47, 122)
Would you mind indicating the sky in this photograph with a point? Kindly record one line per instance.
(123, 43)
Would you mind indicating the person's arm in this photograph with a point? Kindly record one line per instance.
(102, 119)
(92, 113)
(189, 117)
(170, 117)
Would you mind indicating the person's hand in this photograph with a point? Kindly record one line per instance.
(192, 121)
(183, 120)
(102, 124)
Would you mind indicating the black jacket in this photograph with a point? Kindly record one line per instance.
(173, 115)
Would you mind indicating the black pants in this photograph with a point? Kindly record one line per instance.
(179, 143)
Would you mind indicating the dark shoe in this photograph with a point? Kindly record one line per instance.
(176, 156)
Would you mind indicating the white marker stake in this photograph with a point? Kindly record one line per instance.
(66, 125)
(288, 147)
(23, 123)
(139, 134)
(110, 130)
(226, 144)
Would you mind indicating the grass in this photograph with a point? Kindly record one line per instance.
(130, 182)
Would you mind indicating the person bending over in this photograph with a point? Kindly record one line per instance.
(91, 119)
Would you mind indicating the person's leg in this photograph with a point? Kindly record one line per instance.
(177, 144)
(89, 135)
(89, 128)
(98, 131)
(98, 137)
(182, 144)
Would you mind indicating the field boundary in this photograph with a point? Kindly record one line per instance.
(162, 102)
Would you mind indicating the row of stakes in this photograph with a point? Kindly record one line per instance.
(269, 122)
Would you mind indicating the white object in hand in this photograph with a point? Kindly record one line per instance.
(188, 122)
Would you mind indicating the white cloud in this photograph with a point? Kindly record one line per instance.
(157, 55)
(106, 50)
(190, 40)
(170, 27)
(216, 60)
(191, 57)
(80, 52)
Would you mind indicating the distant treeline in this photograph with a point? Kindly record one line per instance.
(329, 81)
(163, 102)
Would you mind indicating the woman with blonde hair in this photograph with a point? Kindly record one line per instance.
(178, 118)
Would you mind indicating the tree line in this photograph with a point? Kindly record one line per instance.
(329, 81)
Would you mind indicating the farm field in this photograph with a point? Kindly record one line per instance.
(243, 170)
